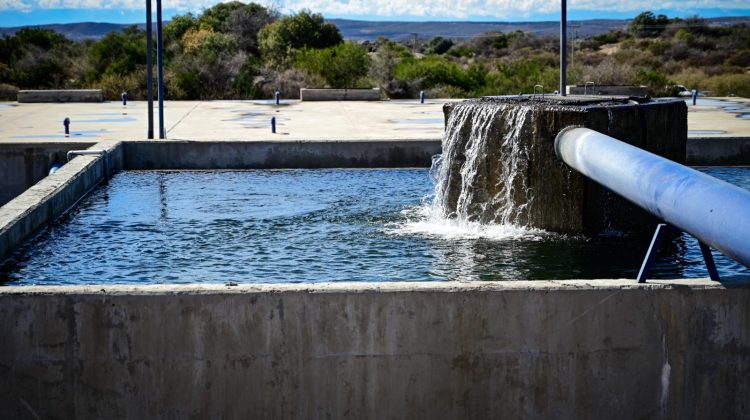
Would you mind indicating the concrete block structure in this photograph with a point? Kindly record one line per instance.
(543, 191)
(62, 95)
(339, 94)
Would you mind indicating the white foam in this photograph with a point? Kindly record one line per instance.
(425, 220)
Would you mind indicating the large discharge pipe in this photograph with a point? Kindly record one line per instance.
(715, 212)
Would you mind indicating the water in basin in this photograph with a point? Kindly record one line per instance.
(314, 226)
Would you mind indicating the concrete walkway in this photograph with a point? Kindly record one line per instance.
(251, 120)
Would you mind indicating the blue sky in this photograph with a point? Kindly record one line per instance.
(34, 12)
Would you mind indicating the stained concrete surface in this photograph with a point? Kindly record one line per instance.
(251, 120)
(226, 120)
(566, 350)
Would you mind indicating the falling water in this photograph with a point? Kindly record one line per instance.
(480, 179)
(481, 175)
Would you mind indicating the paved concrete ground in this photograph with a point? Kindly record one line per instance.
(227, 120)
(250, 120)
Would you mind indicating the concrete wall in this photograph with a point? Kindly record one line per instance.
(23, 216)
(278, 154)
(71, 95)
(339, 94)
(24, 164)
(718, 151)
(562, 350)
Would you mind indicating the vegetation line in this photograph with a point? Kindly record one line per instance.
(246, 51)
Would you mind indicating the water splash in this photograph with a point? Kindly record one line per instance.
(427, 221)
(480, 182)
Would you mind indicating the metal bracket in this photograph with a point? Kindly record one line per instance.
(541, 90)
(663, 230)
(586, 87)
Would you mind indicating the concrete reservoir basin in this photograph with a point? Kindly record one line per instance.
(357, 292)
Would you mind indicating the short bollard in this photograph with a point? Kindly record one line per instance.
(124, 97)
(277, 95)
(421, 96)
(66, 123)
(695, 97)
(273, 125)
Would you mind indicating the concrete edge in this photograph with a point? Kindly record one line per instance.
(718, 151)
(370, 287)
(286, 154)
(276, 140)
(51, 197)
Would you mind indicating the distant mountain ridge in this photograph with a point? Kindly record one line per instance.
(370, 30)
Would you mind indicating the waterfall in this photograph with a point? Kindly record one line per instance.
(481, 175)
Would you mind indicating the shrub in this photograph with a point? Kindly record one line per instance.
(659, 84)
(117, 54)
(433, 71)
(288, 82)
(520, 77)
(8, 92)
(280, 40)
(341, 66)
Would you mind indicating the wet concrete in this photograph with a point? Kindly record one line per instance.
(544, 192)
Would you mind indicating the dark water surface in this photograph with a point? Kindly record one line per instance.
(313, 226)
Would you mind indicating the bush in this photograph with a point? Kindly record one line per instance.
(113, 85)
(520, 77)
(288, 82)
(341, 66)
(611, 37)
(439, 45)
(727, 85)
(433, 71)
(659, 84)
(8, 92)
(35, 58)
(280, 41)
(117, 54)
(609, 72)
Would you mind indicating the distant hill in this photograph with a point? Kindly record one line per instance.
(368, 30)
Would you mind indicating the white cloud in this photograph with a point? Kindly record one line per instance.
(14, 5)
(493, 8)
(384, 8)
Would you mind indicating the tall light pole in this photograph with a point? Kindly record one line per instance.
(563, 47)
(149, 71)
(160, 65)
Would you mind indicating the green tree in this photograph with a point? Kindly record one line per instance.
(178, 26)
(118, 53)
(341, 66)
(439, 45)
(648, 25)
(35, 58)
(280, 41)
(245, 23)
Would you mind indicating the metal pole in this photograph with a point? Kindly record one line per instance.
(149, 70)
(713, 211)
(563, 47)
(160, 65)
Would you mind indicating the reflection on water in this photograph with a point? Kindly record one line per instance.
(315, 225)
